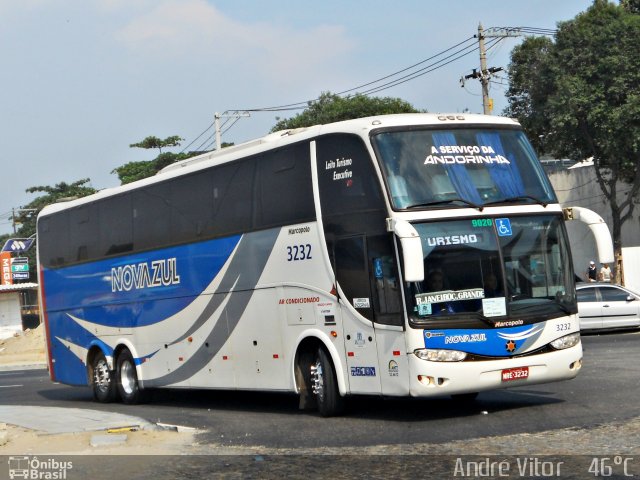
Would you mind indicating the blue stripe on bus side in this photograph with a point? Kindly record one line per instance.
(86, 292)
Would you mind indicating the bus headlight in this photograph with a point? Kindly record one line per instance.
(440, 355)
(567, 341)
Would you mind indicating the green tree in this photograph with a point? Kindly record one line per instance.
(631, 6)
(155, 142)
(334, 108)
(529, 87)
(59, 192)
(26, 218)
(589, 103)
(132, 171)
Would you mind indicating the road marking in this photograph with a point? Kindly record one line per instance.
(10, 386)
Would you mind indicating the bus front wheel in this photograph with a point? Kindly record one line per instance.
(102, 381)
(127, 379)
(325, 385)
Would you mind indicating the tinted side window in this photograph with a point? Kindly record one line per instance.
(353, 213)
(151, 216)
(83, 231)
(352, 273)
(587, 295)
(191, 203)
(350, 193)
(53, 239)
(285, 193)
(232, 206)
(116, 225)
(613, 295)
(348, 182)
(385, 285)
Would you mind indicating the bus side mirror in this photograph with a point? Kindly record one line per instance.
(413, 266)
(598, 228)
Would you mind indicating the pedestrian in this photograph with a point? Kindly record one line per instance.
(592, 272)
(605, 273)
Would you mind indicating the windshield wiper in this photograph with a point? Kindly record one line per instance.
(447, 202)
(515, 199)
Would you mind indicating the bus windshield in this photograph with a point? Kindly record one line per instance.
(492, 268)
(460, 167)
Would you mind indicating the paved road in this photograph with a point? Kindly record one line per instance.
(564, 430)
(606, 391)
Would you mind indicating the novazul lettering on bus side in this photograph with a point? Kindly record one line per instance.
(158, 273)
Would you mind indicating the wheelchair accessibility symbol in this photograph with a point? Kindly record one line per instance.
(504, 227)
(377, 268)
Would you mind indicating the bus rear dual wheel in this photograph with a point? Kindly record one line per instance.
(107, 384)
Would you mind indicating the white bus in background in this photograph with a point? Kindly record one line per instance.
(403, 255)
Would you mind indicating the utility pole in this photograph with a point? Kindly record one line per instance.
(237, 114)
(485, 73)
(19, 210)
(484, 78)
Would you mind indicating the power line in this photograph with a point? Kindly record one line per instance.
(210, 146)
(526, 30)
(195, 139)
(423, 71)
(200, 148)
(456, 55)
(577, 186)
(411, 76)
(468, 47)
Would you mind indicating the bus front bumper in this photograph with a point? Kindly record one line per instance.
(429, 378)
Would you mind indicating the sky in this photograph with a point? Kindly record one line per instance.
(81, 80)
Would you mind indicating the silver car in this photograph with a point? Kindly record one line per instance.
(603, 306)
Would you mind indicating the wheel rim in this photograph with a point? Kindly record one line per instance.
(127, 377)
(317, 379)
(101, 376)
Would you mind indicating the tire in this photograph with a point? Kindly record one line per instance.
(325, 385)
(102, 379)
(127, 379)
(305, 381)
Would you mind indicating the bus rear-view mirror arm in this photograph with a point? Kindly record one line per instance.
(598, 228)
(413, 264)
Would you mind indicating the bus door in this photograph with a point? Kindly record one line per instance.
(352, 276)
(388, 315)
(376, 350)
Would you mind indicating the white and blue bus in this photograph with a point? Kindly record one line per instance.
(402, 255)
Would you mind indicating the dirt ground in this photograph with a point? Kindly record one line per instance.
(27, 349)
(23, 348)
(20, 441)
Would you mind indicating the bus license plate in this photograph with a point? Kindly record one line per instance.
(519, 373)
